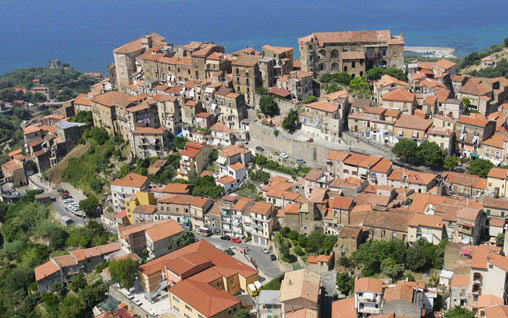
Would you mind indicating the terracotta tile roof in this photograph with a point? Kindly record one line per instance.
(400, 95)
(496, 311)
(319, 259)
(261, 207)
(434, 221)
(175, 188)
(180, 199)
(399, 292)
(342, 203)
(148, 131)
(377, 36)
(164, 229)
(413, 122)
(416, 177)
(343, 94)
(498, 173)
(350, 232)
(392, 220)
(497, 222)
(190, 152)
(323, 106)
(145, 209)
(382, 166)
(292, 208)
(65, 260)
(481, 122)
(121, 214)
(497, 203)
(475, 87)
(344, 308)
(489, 300)
(132, 180)
(241, 203)
(226, 180)
(301, 284)
(352, 55)
(387, 80)
(31, 129)
(496, 141)
(498, 260)
(440, 131)
(444, 63)
(135, 45)
(221, 127)
(246, 60)
(204, 298)
(368, 284)
(442, 95)
(237, 166)
(113, 98)
(465, 179)
(277, 49)
(45, 270)
(10, 166)
(460, 280)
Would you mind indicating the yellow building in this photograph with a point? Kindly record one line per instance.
(430, 227)
(140, 198)
(497, 182)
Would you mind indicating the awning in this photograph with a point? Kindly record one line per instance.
(473, 155)
(186, 220)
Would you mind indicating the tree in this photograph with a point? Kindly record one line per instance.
(345, 283)
(71, 307)
(123, 271)
(206, 187)
(93, 294)
(261, 91)
(183, 239)
(274, 284)
(449, 163)
(298, 250)
(276, 132)
(310, 99)
(268, 106)
(431, 155)
(358, 83)
(391, 269)
(459, 312)
(480, 167)
(285, 231)
(293, 235)
(77, 282)
(57, 238)
(89, 205)
(291, 121)
(261, 160)
(466, 103)
(242, 313)
(315, 241)
(500, 239)
(406, 149)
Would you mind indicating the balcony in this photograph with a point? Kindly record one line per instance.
(185, 163)
(226, 220)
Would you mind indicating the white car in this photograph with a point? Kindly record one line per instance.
(129, 295)
(68, 200)
(283, 155)
(265, 250)
(137, 302)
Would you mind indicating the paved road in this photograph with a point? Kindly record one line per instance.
(267, 267)
(328, 280)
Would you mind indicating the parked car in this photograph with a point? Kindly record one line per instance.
(137, 302)
(283, 155)
(236, 240)
(259, 148)
(272, 257)
(229, 251)
(300, 161)
(265, 250)
(65, 194)
(310, 140)
(68, 201)
(225, 237)
(129, 295)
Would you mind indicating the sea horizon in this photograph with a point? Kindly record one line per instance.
(84, 33)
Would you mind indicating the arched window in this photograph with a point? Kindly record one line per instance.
(322, 67)
(345, 69)
(334, 66)
(322, 52)
(361, 73)
(335, 54)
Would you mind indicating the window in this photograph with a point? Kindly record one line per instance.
(176, 300)
(502, 214)
(188, 308)
(383, 233)
(186, 316)
(353, 65)
(394, 235)
(176, 309)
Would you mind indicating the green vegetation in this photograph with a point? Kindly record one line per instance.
(391, 258)
(428, 153)
(500, 239)
(500, 70)
(291, 122)
(268, 105)
(179, 143)
(123, 271)
(206, 187)
(88, 171)
(459, 312)
(66, 82)
(29, 238)
(263, 162)
(376, 73)
(10, 130)
(317, 243)
(310, 99)
(450, 162)
(184, 239)
(261, 90)
(480, 167)
(345, 283)
(242, 313)
(260, 176)
(274, 284)
(83, 117)
(89, 205)
(165, 175)
(475, 58)
(335, 82)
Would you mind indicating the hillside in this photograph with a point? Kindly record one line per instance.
(54, 174)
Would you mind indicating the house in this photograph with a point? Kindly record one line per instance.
(343, 164)
(496, 311)
(459, 291)
(348, 241)
(61, 268)
(497, 182)
(154, 238)
(221, 135)
(246, 75)
(479, 95)
(261, 215)
(145, 200)
(341, 208)
(269, 304)
(470, 224)
(301, 289)
(463, 184)
(430, 227)
(443, 137)
(403, 300)
(368, 296)
(186, 210)
(411, 127)
(322, 119)
(495, 208)
(400, 99)
(386, 225)
(471, 132)
(492, 149)
(386, 84)
(14, 171)
(420, 182)
(124, 188)
(194, 158)
(149, 142)
(488, 275)
(298, 83)
(171, 188)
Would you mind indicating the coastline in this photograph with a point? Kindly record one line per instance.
(432, 51)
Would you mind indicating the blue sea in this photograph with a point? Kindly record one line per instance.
(84, 32)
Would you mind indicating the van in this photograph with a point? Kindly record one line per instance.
(252, 290)
(257, 284)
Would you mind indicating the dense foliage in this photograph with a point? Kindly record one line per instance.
(377, 72)
(334, 82)
(291, 122)
(480, 167)
(184, 239)
(459, 312)
(10, 130)
(274, 284)
(65, 81)
(165, 175)
(310, 99)
(428, 153)
(392, 257)
(500, 70)
(268, 105)
(263, 162)
(83, 117)
(123, 271)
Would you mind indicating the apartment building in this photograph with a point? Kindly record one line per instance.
(186, 210)
(429, 227)
(246, 76)
(400, 99)
(124, 188)
(368, 296)
(261, 215)
(463, 184)
(276, 62)
(322, 119)
(298, 83)
(471, 132)
(353, 52)
(194, 159)
(149, 142)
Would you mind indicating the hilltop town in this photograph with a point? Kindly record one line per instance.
(194, 182)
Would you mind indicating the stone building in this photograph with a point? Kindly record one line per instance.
(353, 52)
(246, 76)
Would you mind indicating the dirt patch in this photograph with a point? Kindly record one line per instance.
(55, 174)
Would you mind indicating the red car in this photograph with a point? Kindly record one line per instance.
(236, 240)
(65, 194)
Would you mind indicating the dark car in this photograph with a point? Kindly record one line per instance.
(259, 148)
(300, 161)
(272, 257)
(225, 237)
(229, 252)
